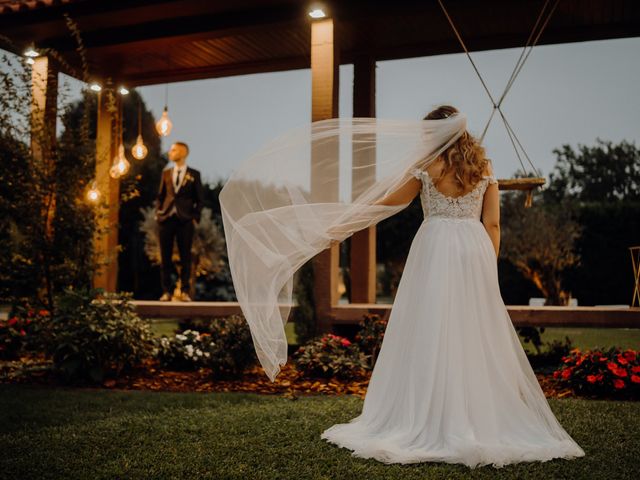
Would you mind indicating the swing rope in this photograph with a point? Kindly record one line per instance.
(516, 70)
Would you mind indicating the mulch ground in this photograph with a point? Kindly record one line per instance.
(149, 376)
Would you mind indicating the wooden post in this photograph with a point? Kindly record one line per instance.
(106, 237)
(324, 105)
(44, 98)
(363, 242)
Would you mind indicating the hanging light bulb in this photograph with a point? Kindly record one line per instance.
(164, 125)
(93, 194)
(121, 163)
(139, 150)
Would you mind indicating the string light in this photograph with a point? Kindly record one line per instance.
(120, 165)
(139, 150)
(93, 194)
(164, 125)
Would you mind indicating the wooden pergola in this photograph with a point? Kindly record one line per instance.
(143, 42)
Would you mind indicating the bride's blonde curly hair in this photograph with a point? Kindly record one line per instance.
(466, 157)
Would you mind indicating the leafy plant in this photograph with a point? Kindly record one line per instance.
(371, 335)
(93, 335)
(226, 348)
(330, 356)
(601, 372)
(188, 350)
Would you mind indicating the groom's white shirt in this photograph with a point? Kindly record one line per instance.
(174, 178)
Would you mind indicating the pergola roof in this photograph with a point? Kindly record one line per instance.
(142, 42)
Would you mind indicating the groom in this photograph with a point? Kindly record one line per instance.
(178, 206)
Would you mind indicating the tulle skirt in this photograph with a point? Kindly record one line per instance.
(451, 382)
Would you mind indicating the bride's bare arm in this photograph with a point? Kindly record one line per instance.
(491, 213)
(402, 195)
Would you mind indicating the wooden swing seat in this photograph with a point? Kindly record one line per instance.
(528, 183)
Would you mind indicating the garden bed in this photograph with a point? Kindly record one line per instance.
(149, 376)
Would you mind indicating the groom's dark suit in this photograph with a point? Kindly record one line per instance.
(177, 212)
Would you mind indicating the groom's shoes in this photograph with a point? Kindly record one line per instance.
(166, 297)
(184, 297)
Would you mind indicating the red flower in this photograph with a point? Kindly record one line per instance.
(566, 373)
(592, 378)
(621, 360)
(43, 313)
(22, 332)
(30, 313)
(620, 372)
(556, 374)
(635, 378)
(12, 321)
(630, 355)
(612, 366)
(617, 383)
(579, 361)
(635, 369)
(345, 342)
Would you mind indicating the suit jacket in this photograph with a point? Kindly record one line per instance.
(188, 201)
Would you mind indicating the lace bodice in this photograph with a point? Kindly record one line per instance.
(436, 204)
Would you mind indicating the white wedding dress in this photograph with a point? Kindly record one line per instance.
(451, 382)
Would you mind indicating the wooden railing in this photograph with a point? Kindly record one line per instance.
(602, 317)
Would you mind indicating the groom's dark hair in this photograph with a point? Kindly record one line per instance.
(186, 147)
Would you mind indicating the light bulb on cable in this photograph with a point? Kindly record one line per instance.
(164, 125)
(120, 164)
(93, 194)
(139, 150)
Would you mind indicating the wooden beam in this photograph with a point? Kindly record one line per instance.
(106, 237)
(44, 107)
(522, 316)
(363, 243)
(324, 105)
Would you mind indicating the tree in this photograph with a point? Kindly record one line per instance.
(45, 225)
(604, 173)
(601, 184)
(540, 242)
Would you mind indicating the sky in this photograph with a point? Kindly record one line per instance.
(568, 93)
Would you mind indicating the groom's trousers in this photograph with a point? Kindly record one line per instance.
(182, 231)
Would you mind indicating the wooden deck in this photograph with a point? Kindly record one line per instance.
(521, 315)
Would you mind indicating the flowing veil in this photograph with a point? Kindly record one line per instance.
(314, 184)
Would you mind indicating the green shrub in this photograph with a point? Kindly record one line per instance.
(330, 356)
(370, 336)
(92, 335)
(188, 350)
(234, 346)
(226, 348)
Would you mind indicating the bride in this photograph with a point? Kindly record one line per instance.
(451, 382)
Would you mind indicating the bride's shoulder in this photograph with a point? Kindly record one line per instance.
(488, 172)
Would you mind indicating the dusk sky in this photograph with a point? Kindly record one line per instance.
(568, 93)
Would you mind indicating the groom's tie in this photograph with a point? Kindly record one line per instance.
(178, 179)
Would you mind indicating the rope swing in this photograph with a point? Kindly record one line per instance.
(528, 183)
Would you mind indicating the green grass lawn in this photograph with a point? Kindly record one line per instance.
(94, 434)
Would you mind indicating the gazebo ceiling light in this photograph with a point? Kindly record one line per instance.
(95, 87)
(31, 53)
(317, 12)
(123, 91)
